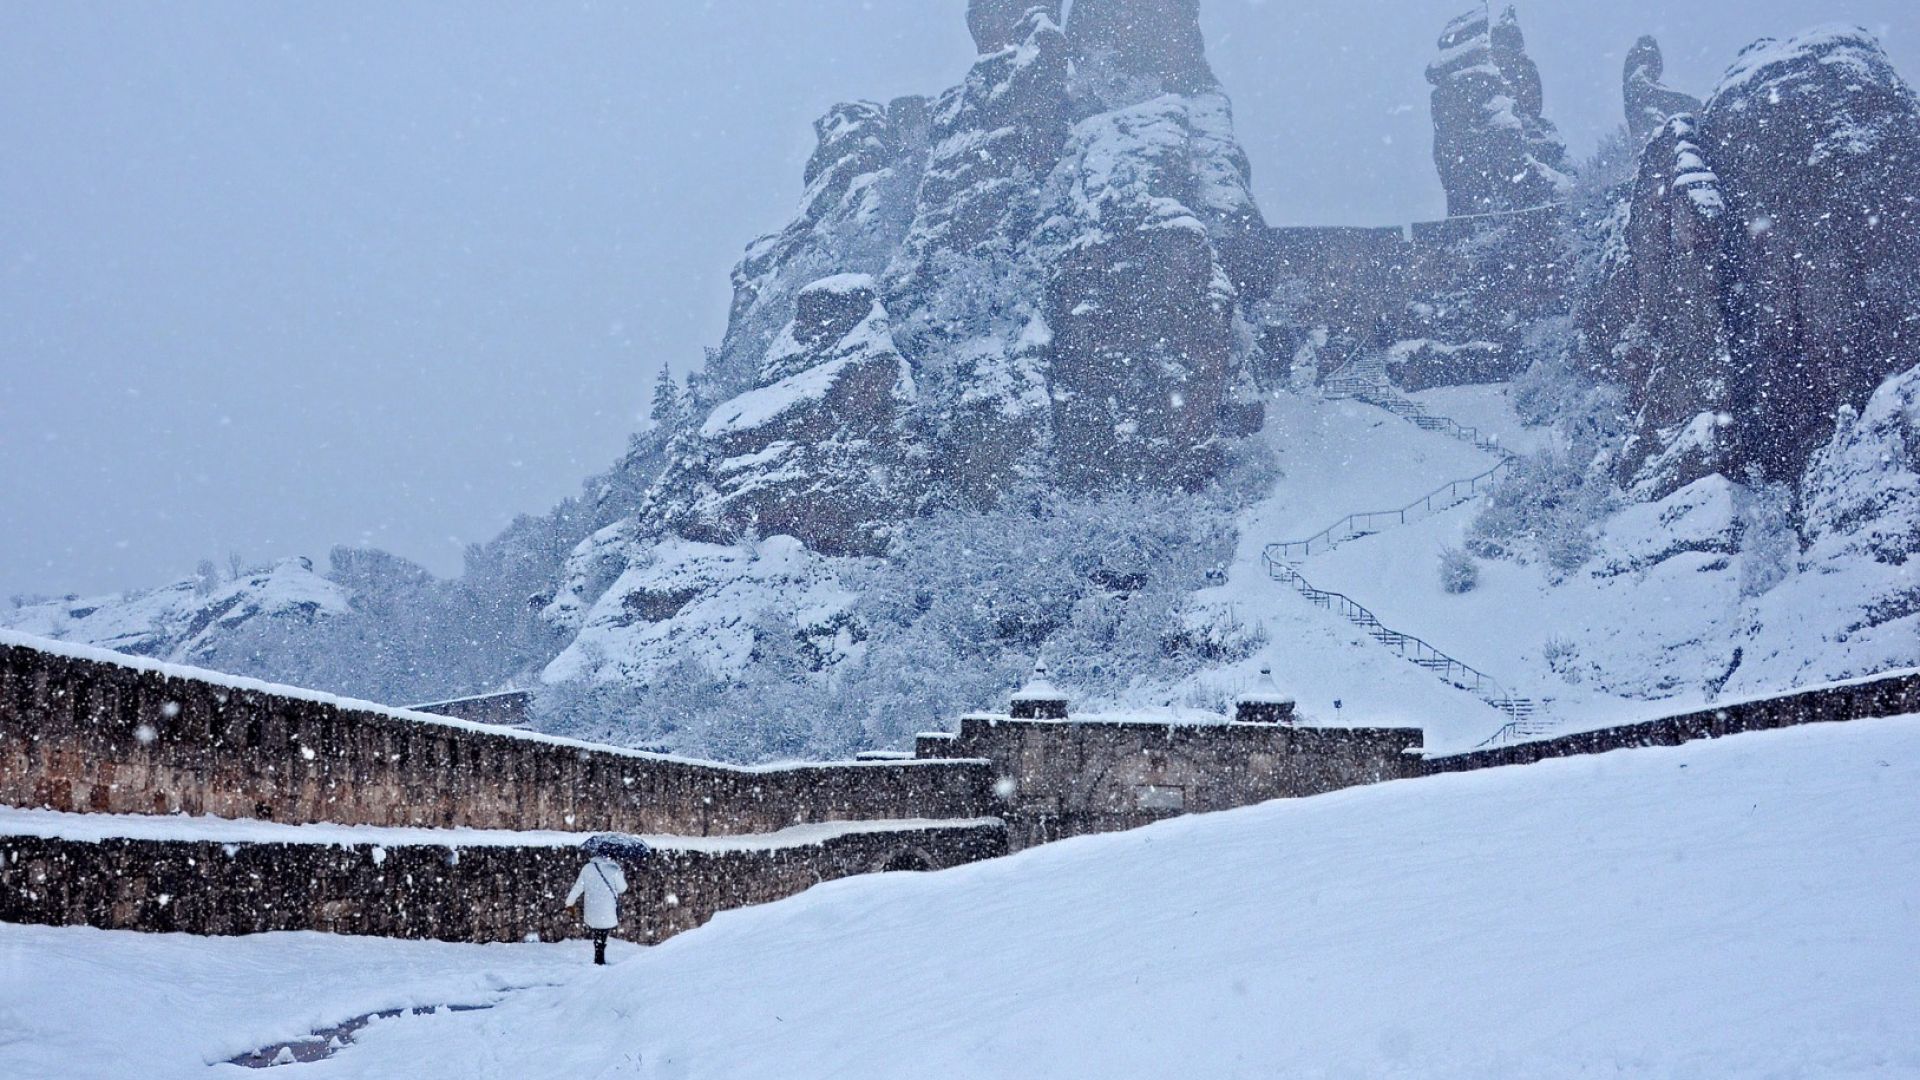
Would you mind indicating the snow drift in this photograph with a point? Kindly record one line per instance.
(1735, 908)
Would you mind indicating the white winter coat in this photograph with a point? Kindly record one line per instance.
(601, 883)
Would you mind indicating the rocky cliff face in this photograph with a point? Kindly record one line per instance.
(1664, 311)
(1650, 102)
(857, 205)
(1030, 284)
(1765, 276)
(1817, 140)
(820, 448)
(1495, 148)
(1059, 246)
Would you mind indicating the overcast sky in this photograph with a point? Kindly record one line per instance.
(278, 276)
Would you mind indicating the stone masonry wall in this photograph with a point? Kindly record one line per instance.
(509, 708)
(478, 893)
(94, 735)
(1461, 281)
(1068, 778)
(1896, 695)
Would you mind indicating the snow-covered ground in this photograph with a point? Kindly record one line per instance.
(1742, 908)
(82, 1004)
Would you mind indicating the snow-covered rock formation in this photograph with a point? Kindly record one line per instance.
(1495, 148)
(1662, 306)
(1734, 497)
(1861, 496)
(1766, 276)
(819, 449)
(1650, 102)
(1031, 285)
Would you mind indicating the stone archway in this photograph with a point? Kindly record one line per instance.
(907, 860)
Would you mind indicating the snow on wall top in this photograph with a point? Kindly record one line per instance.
(94, 828)
(236, 682)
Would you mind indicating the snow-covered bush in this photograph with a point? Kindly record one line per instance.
(1770, 545)
(1603, 176)
(1459, 573)
(1598, 208)
(1550, 502)
(1545, 508)
(1589, 415)
(1563, 657)
(1100, 584)
(952, 620)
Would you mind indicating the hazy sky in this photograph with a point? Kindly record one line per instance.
(276, 276)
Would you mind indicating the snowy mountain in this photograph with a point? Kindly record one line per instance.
(194, 619)
(1026, 373)
(1034, 285)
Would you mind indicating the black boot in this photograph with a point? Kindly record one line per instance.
(600, 947)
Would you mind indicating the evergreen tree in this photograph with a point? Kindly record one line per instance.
(669, 405)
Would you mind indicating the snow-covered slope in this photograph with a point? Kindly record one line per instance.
(1336, 458)
(1701, 595)
(1738, 908)
(189, 620)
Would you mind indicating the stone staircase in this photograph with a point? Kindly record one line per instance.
(1365, 379)
(1522, 713)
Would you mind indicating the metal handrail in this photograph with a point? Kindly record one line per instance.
(1376, 393)
(1356, 525)
(1516, 731)
(1459, 674)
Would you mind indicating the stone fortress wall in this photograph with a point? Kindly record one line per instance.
(367, 820)
(100, 734)
(85, 733)
(1073, 776)
(1891, 694)
(456, 891)
(1449, 280)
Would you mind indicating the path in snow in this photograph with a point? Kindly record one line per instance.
(1337, 457)
(104, 1005)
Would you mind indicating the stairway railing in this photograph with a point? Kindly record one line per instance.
(1459, 674)
(1517, 731)
(1368, 522)
(1365, 379)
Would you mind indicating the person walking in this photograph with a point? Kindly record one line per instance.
(600, 884)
